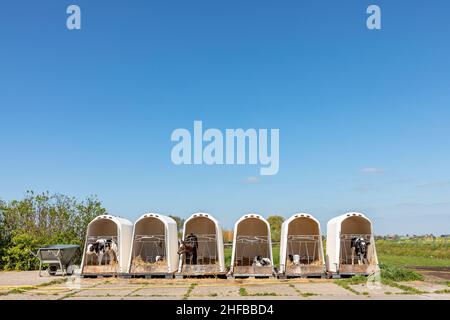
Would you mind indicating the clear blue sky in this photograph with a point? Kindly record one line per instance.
(364, 116)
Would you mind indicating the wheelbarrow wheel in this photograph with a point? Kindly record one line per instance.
(52, 270)
(70, 270)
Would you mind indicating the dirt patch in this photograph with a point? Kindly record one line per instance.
(433, 273)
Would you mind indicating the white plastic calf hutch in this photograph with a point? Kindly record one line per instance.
(208, 259)
(251, 245)
(301, 248)
(155, 244)
(117, 232)
(341, 258)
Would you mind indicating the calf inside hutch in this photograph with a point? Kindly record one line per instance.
(357, 254)
(101, 254)
(252, 249)
(201, 250)
(302, 242)
(149, 247)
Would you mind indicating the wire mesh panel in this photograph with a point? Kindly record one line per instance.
(205, 260)
(248, 250)
(149, 253)
(304, 256)
(248, 247)
(206, 252)
(305, 247)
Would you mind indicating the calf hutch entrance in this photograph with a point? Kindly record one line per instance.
(252, 248)
(351, 245)
(301, 248)
(201, 252)
(154, 250)
(107, 246)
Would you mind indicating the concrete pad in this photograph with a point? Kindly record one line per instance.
(425, 286)
(91, 298)
(220, 291)
(337, 297)
(162, 291)
(278, 289)
(121, 286)
(375, 289)
(28, 296)
(24, 278)
(323, 288)
(103, 293)
(435, 296)
(153, 298)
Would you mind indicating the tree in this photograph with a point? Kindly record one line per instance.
(275, 227)
(39, 220)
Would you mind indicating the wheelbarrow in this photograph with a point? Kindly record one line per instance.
(58, 257)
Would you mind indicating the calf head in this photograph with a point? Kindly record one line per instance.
(183, 247)
(94, 247)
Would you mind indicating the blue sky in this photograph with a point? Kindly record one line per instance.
(363, 115)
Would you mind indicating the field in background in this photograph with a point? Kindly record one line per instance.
(414, 252)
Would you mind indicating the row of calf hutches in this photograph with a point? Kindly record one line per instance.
(151, 247)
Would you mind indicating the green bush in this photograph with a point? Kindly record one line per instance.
(394, 273)
(39, 220)
(17, 255)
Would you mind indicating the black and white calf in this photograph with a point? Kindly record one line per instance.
(359, 247)
(259, 261)
(100, 248)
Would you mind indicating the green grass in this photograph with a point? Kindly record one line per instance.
(405, 289)
(390, 276)
(308, 294)
(419, 261)
(395, 273)
(438, 248)
(264, 294)
(243, 292)
(189, 291)
(227, 253)
(414, 252)
(442, 291)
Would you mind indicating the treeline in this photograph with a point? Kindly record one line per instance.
(39, 220)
